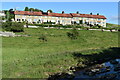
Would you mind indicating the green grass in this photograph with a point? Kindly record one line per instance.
(28, 57)
(112, 25)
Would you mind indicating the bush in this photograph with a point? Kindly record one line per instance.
(13, 26)
(118, 29)
(50, 25)
(42, 37)
(94, 27)
(109, 28)
(49, 22)
(73, 34)
(78, 26)
(6, 26)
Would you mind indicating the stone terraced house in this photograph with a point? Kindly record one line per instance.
(59, 18)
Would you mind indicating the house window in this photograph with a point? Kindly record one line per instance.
(22, 19)
(45, 16)
(80, 21)
(35, 20)
(29, 20)
(76, 17)
(98, 19)
(58, 21)
(18, 19)
(77, 21)
(98, 22)
(94, 22)
(71, 22)
(39, 21)
(90, 22)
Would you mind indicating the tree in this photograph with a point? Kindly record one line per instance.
(26, 9)
(49, 11)
(37, 10)
(31, 9)
(41, 11)
(11, 10)
(26, 23)
(9, 14)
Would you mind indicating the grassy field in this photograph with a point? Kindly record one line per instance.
(28, 57)
(112, 25)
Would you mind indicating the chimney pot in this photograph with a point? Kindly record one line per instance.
(62, 12)
(97, 13)
(77, 12)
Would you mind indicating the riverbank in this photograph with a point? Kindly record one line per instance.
(91, 66)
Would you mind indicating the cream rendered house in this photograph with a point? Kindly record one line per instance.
(90, 19)
(59, 18)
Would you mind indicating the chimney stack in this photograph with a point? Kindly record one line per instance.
(97, 13)
(77, 12)
(62, 12)
(90, 13)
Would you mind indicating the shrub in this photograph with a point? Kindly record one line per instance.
(118, 29)
(13, 26)
(111, 30)
(17, 27)
(42, 37)
(6, 26)
(94, 27)
(49, 22)
(73, 34)
(50, 25)
(78, 26)
(99, 26)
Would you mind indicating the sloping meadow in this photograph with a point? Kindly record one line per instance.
(30, 57)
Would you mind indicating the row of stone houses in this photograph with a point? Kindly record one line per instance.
(59, 18)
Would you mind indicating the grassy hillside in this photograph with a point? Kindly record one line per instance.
(29, 57)
(112, 25)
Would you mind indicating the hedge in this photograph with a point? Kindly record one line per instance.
(71, 26)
